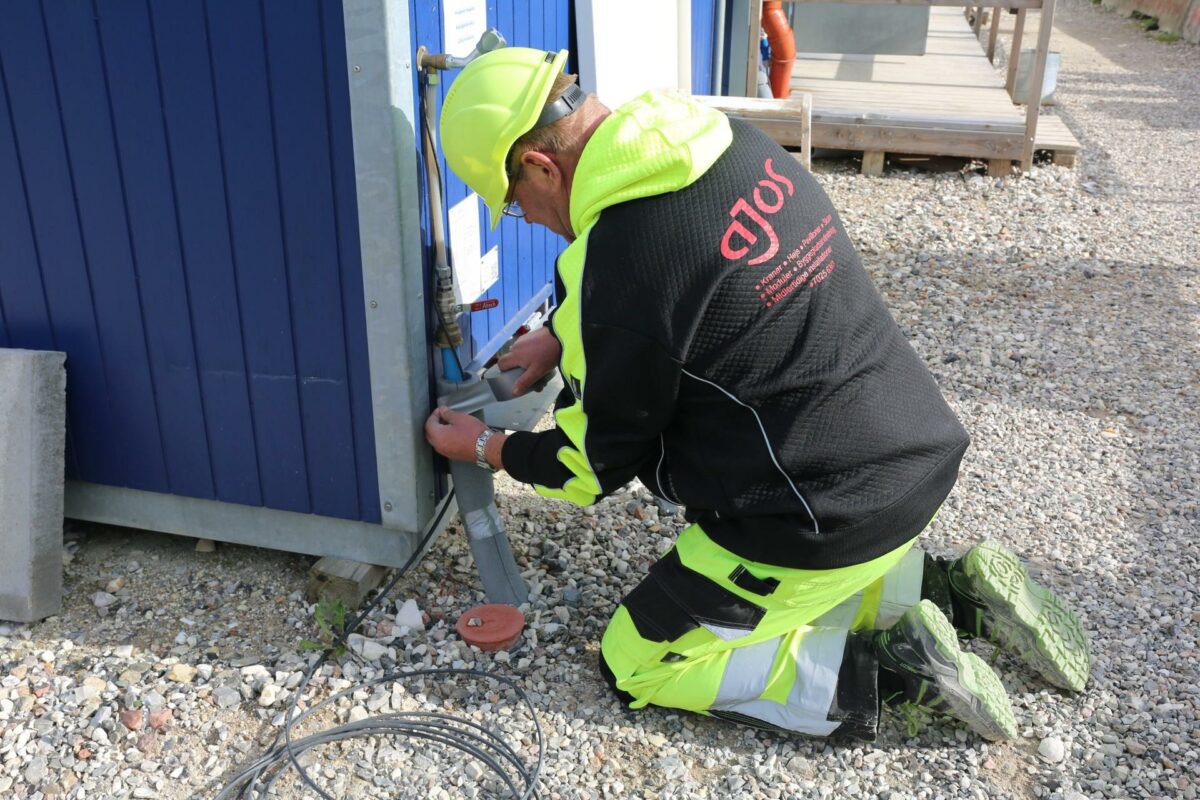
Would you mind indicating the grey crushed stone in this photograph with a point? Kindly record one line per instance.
(1059, 314)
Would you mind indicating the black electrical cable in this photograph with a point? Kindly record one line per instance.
(461, 734)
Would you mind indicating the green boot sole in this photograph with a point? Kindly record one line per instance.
(1026, 619)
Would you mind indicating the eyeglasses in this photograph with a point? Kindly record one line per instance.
(511, 207)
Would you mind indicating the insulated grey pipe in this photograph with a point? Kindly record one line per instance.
(475, 489)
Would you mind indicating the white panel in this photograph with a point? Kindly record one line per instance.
(464, 21)
(627, 47)
(465, 258)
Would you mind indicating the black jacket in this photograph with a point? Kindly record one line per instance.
(727, 347)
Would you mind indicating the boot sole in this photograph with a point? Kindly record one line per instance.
(972, 691)
(1029, 620)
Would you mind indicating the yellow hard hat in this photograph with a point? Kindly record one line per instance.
(495, 100)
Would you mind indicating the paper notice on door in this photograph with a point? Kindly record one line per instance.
(473, 274)
(489, 270)
(465, 21)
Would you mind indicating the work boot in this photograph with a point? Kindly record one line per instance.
(922, 667)
(995, 599)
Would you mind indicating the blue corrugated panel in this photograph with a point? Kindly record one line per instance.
(177, 213)
(704, 14)
(527, 252)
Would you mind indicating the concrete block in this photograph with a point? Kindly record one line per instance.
(33, 413)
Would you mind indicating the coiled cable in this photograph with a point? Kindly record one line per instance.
(482, 743)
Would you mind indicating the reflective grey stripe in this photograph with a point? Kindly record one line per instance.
(901, 588)
(842, 615)
(770, 450)
(728, 634)
(818, 661)
(746, 672)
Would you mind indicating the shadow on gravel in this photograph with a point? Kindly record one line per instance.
(232, 599)
(1125, 97)
(1111, 356)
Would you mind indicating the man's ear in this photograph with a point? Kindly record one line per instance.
(541, 164)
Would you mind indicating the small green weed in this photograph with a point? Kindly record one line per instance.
(331, 623)
(1148, 23)
(1165, 36)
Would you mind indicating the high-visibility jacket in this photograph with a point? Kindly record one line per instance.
(722, 342)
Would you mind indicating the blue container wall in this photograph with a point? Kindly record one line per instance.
(178, 214)
(704, 29)
(527, 252)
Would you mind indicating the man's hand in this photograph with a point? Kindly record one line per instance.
(453, 433)
(537, 352)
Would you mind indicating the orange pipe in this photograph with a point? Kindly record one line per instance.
(783, 47)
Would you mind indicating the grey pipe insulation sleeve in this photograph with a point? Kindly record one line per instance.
(498, 572)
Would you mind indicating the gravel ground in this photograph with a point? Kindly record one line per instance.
(1059, 313)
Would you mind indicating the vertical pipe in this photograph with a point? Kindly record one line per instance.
(444, 288)
(783, 48)
(718, 80)
(498, 571)
(683, 40)
(434, 187)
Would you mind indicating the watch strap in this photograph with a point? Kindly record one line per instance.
(481, 450)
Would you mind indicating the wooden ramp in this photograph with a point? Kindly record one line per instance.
(949, 102)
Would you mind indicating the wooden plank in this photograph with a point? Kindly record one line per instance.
(790, 107)
(806, 131)
(999, 167)
(781, 120)
(929, 123)
(924, 141)
(788, 121)
(934, 3)
(348, 581)
(977, 21)
(993, 35)
(1014, 54)
(1063, 159)
(872, 163)
(1033, 107)
(1053, 134)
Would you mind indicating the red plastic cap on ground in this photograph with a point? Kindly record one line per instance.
(491, 627)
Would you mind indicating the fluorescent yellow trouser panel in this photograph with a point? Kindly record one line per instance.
(709, 632)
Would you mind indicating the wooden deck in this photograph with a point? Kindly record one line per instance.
(950, 101)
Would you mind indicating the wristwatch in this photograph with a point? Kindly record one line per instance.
(480, 450)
